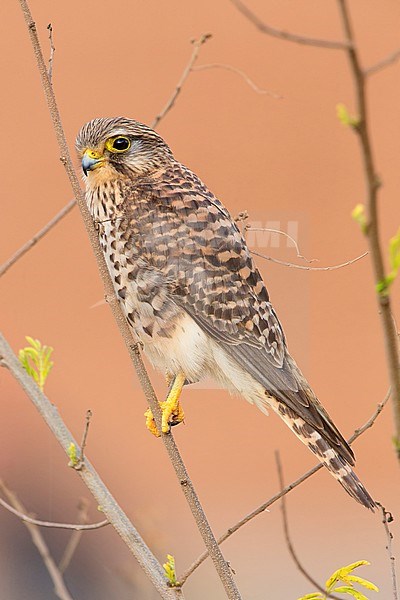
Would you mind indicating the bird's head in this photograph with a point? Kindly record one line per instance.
(118, 147)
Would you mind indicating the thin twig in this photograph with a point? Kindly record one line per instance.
(241, 74)
(280, 232)
(89, 415)
(51, 524)
(372, 227)
(220, 563)
(60, 588)
(104, 499)
(305, 268)
(285, 35)
(52, 50)
(75, 538)
(64, 211)
(38, 236)
(288, 540)
(382, 64)
(197, 44)
(263, 507)
(387, 518)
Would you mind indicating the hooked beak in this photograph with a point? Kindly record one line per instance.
(91, 159)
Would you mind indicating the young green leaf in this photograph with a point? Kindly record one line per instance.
(394, 251)
(345, 117)
(358, 214)
(35, 359)
(361, 581)
(73, 456)
(382, 287)
(345, 589)
(169, 570)
(344, 574)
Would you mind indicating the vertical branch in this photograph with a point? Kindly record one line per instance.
(372, 226)
(52, 50)
(288, 540)
(386, 519)
(220, 563)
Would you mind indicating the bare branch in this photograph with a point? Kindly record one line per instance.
(220, 563)
(38, 236)
(382, 64)
(387, 518)
(263, 507)
(285, 35)
(197, 44)
(52, 50)
(303, 267)
(221, 566)
(64, 211)
(373, 183)
(81, 459)
(60, 588)
(104, 499)
(289, 237)
(241, 74)
(51, 524)
(288, 540)
(75, 538)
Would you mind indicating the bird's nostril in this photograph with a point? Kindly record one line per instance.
(93, 154)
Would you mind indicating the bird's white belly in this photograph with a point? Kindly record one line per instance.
(187, 350)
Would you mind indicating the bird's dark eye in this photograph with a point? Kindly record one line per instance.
(120, 143)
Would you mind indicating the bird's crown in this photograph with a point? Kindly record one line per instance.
(124, 146)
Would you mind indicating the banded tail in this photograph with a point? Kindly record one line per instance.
(337, 461)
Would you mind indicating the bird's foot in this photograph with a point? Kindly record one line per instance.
(172, 412)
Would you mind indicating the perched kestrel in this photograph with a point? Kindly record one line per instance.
(190, 290)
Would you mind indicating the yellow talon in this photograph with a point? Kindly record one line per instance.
(171, 407)
(150, 423)
(172, 412)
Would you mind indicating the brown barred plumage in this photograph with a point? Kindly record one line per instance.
(189, 287)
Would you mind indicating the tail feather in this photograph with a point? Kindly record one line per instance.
(336, 464)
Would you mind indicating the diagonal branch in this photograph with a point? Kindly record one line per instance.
(308, 268)
(204, 528)
(68, 207)
(372, 226)
(60, 588)
(241, 74)
(382, 64)
(104, 499)
(263, 507)
(285, 35)
(197, 44)
(41, 233)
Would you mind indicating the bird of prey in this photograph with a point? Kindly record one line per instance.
(190, 290)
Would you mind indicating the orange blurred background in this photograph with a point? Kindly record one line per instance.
(288, 162)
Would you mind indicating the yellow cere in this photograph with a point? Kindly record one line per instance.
(95, 154)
